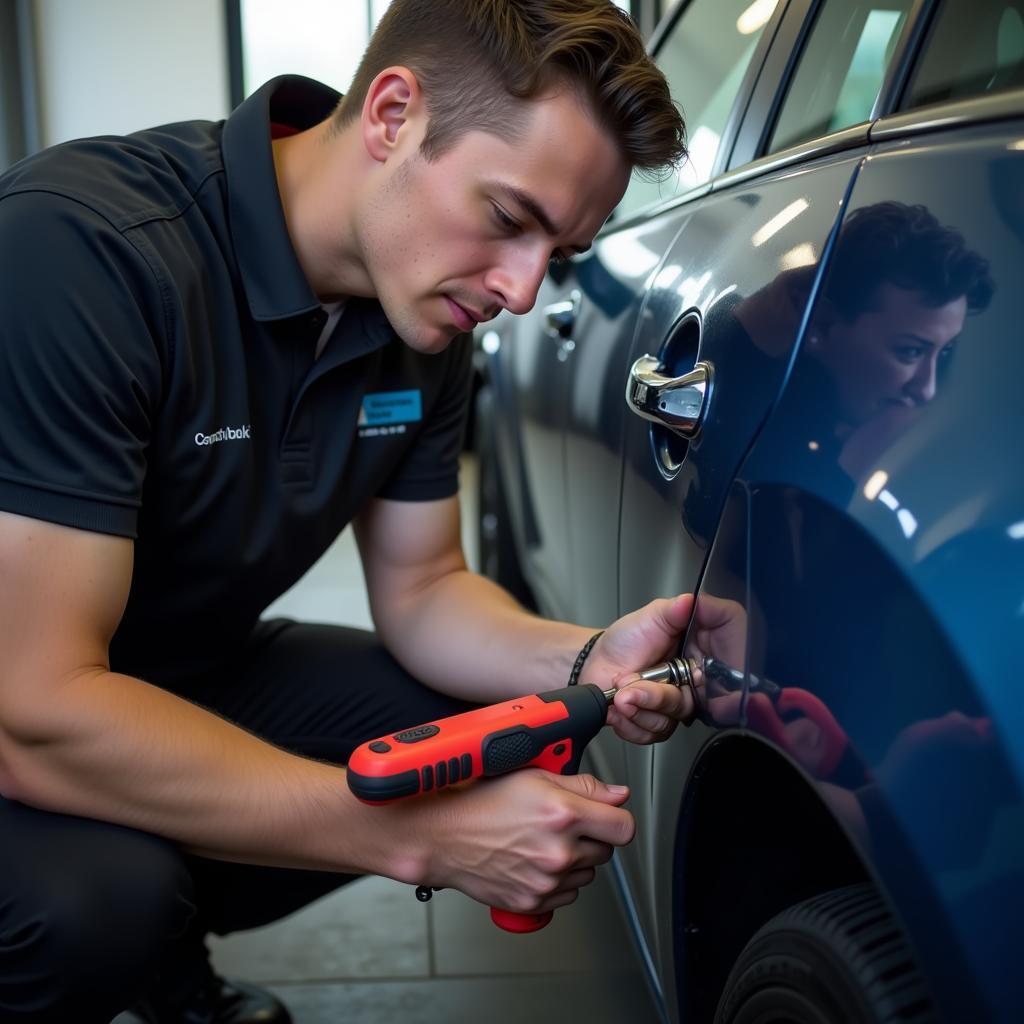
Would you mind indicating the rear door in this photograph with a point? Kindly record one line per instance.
(887, 545)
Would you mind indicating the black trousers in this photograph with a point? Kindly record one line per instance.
(89, 911)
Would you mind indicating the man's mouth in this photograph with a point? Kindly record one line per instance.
(464, 319)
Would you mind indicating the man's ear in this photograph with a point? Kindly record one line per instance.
(393, 110)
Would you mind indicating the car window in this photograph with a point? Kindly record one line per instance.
(704, 60)
(971, 49)
(840, 70)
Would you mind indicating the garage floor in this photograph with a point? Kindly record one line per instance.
(371, 953)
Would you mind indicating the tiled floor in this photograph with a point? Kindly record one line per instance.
(371, 953)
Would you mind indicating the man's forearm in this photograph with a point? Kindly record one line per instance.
(110, 747)
(466, 636)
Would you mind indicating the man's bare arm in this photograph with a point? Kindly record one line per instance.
(79, 739)
(453, 629)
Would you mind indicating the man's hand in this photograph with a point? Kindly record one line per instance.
(527, 841)
(646, 712)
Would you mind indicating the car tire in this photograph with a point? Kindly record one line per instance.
(838, 958)
(498, 558)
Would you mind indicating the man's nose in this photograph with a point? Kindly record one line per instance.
(921, 386)
(517, 281)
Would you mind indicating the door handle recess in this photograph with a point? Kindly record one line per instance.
(679, 403)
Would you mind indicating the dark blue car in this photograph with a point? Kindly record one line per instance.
(789, 379)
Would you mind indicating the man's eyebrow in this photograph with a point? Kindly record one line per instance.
(536, 211)
(918, 338)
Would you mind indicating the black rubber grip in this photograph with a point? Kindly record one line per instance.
(383, 788)
(511, 748)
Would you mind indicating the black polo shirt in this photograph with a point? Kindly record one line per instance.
(159, 378)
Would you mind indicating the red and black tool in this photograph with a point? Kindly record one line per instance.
(545, 730)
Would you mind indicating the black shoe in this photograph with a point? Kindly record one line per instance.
(217, 1001)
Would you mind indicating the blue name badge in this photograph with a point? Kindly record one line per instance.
(386, 412)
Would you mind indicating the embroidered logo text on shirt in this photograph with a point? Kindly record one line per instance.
(242, 433)
(388, 412)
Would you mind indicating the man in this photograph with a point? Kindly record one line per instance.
(220, 343)
(896, 295)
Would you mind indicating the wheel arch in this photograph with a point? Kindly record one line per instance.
(753, 838)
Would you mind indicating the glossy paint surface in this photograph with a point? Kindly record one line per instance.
(855, 499)
(886, 578)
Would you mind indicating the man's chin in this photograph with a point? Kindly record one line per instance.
(429, 340)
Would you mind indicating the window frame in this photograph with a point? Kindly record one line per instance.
(942, 112)
(886, 122)
(737, 113)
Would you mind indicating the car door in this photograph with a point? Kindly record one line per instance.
(711, 53)
(730, 299)
(563, 460)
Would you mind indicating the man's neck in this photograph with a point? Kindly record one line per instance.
(318, 174)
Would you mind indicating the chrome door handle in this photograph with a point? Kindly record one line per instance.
(560, 317)
(679, 403)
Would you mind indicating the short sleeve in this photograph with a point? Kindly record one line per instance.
(430, 469)
(80, 371)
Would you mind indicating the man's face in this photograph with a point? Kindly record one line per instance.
(450, 243)
(890, 355)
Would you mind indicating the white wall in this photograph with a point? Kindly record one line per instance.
(115, 66)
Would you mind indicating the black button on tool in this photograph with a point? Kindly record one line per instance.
(453, 770)
(380, 747)
(442, 773)
(428, 778)
(421, 732)
(502, 753)
(467, 765)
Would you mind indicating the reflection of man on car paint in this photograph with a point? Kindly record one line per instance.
(898, 288)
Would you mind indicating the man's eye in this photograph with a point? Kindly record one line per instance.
(909, 353)
(504, 219)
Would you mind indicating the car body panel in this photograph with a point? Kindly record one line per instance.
(894, 604)
(667, 525)
(918, 640)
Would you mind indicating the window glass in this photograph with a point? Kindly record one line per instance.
(840, 70)
(972, 49)
(704, 59)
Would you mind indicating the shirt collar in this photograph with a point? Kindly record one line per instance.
(275, 286)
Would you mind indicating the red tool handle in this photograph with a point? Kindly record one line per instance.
(521, 924)
(547, 730)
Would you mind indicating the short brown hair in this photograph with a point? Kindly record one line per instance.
(472, 56)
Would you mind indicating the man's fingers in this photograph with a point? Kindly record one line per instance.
(660, 698)
(631, 733)
(676, 612)
(713, 612)
(591, 854)
(596, 815)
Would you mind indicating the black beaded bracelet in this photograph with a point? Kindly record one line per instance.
(577, 668)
